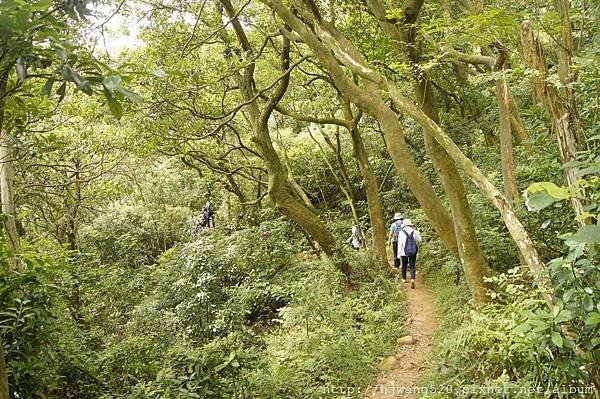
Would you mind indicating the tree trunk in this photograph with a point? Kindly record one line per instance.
(489, 191)
(288, 205)
(343, 189)
(559, 114)
(566, 73)
(7, 158)
(259, 117)
(372, 190)
(402, 40)
(369, 100)
(7, 172)
(516, 124)
(351, 58)
(292, 180)
(471, 257)
(511, 189)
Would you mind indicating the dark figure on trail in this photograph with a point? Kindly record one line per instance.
(354, 240)
(196, 224)
(393, 237)
(408, 246)
(208, 215)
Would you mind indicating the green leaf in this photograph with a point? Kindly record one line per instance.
(521, 328)
(559, 193)
(47, 87)
(538, 201)
(67, 73)
(61, 53)
(129, 94)
(62, 90)
(593, 319)
(557, 339)
(115, 107)
(111, 82)
(71, 75)
(564, 315)
(539, 325)
(568, 294)
(589, 234)
(41, 5)
(588, 303)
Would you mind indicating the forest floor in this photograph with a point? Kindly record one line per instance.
(409, 363)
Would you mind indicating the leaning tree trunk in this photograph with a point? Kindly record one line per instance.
(472, 259)
(278, 188)
(489, 191)
(287, 204)
(511, 189)
(292, 179)
(369, 100)
(348, 57)
(559, 114)
(371, 188)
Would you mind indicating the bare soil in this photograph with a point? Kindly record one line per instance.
(421, 321)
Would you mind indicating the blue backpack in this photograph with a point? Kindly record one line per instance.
(410, 246)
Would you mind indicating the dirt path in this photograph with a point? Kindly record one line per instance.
(421, 320)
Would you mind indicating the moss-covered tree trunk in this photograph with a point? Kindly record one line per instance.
(402, 38)
(278, 187)
(351, 58)
(370, 101)
(472, 259)
(4, 392)
(7, 157)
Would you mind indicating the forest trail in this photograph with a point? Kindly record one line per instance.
(421, 320)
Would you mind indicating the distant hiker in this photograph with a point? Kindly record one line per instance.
(355, 240)
(408, 239)
(393, 237)
(208, 215)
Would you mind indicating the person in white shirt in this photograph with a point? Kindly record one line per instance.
(408, 239)
(355, 240)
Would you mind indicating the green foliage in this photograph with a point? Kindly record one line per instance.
(43, 352)
(518, 342)
(134, 235)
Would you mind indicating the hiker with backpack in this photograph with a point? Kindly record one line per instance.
(208, 215)
(408, 239)
(393, 237)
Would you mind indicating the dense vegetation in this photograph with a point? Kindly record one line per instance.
(479, 121)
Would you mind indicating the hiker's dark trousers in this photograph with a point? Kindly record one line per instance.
(395, 250)
(411, 261)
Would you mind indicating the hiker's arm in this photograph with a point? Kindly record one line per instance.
(417, 235)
